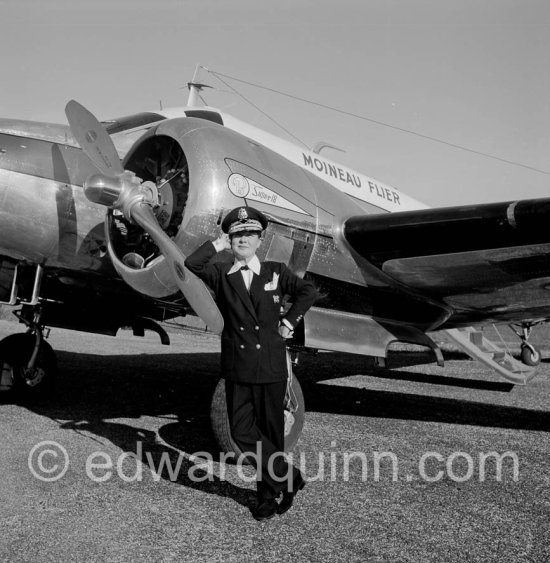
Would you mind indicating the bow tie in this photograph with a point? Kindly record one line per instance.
(245, 268)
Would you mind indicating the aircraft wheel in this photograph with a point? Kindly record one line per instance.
(15, 353)
(294, 421)
(530, 356)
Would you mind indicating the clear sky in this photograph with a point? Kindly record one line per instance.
(472, 73)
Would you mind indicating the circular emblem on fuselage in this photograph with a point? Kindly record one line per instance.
(91, 136)
(180, 272)
(238, 185)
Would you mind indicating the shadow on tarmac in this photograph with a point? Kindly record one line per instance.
(92, 390)
(167, 463)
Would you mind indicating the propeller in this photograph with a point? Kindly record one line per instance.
(121, 189)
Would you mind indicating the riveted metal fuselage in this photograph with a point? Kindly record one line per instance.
(47, 219)
(44, 215)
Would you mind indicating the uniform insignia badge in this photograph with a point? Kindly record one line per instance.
(275, 299)
(243, 215)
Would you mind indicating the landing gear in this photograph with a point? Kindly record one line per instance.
(529, 355)
(27, 361)
(294, 412)
(294, 419)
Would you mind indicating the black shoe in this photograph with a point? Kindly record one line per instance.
(265, 510)
(288, 496)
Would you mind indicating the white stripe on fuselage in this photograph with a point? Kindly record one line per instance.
(341, 177)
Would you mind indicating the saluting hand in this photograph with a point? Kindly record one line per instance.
(222, 242)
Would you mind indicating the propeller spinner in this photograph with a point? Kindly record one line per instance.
(120, 189)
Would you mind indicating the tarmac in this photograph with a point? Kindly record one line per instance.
(413, 463)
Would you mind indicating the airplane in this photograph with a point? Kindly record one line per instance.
(96, 219)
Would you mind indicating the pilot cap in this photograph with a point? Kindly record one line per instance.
(244, 219)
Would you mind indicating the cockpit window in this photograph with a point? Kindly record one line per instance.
(131, 122)
(205, 114)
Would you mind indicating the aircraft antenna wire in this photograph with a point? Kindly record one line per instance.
(255, 106)
(218, 75)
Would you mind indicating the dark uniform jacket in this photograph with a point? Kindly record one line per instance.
(252, 349)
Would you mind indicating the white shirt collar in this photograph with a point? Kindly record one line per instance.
(253, 264)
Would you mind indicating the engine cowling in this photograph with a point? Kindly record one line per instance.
(159, 159)
(180, 158)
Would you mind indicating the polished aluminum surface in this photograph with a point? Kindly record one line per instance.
(136, 199)
(201, 170)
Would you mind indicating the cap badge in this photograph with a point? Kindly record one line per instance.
(243, 215)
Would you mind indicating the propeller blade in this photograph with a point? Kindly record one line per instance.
(190, 285)
(93, 139)
(127, 195)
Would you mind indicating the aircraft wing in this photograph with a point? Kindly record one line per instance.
(488, 262)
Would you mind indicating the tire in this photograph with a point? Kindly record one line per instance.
(530, 356)
(219, 420)
(15, 353)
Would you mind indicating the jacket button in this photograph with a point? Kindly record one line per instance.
(241, 328)
(258, 346)
(241, 346)
(256, 328)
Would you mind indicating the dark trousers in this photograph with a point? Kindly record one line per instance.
(256, 415)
